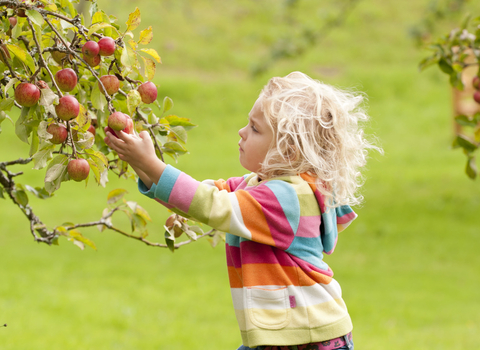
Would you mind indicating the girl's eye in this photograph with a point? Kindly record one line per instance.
(254, 128)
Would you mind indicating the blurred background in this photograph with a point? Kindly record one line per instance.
(408, 266)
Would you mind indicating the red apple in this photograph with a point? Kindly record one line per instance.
(90, 49)
(59, 133)
(92, 61)
(476, 96)
(41, 84)
(476, 83)
(118, 121)
(111, 84)
(67, 108)
(78, 169)
(13, 21)
(66, 79)
(5, 51)
(27, 94)
(148, 92)
(129, 128)
(107, 46)
(92, 130)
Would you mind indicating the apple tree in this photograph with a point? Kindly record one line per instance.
(457, 54)
(67, 78)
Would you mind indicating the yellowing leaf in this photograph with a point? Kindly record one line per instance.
(22, 55)
(146, 36)
(133, 20)
(133, 101)
(150, 68)
(152, 53)
(116, 195)
(98, 26)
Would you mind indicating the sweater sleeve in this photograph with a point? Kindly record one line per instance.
(267, 214)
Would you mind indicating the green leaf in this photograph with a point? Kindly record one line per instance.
(21, 130)
(35, 17)
(146, 36)
(34, 143)
(445, 66)
(170, 241)
(465, 121)
(180, 133)
(116, 195)
(174, 146)
(167, 104)
(471, 168)
(427, 62)
(174, 120)
(43, 155)
(133, 20)
(128, 57)
(465, 143)
(20, 196)
(7, 104)
(97, 98)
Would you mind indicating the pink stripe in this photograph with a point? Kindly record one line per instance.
(309, 226)
(278, 224)
(306, 267)
(257, 253)
(164, 204)
(183, 192)
(346, 218)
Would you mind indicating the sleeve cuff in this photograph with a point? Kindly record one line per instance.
(164, 187)
(149, 192)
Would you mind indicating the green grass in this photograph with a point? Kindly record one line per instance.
(408, 266)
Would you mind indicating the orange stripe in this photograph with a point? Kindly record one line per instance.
(235, 277)
(275, 275)
(222, 185)
(254, 218)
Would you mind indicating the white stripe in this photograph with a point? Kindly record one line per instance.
(304, 296)
(237, 226)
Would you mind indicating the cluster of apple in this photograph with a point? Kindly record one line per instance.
(68, 107)
(476, 85)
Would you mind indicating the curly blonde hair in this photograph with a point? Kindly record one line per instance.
(316, 131)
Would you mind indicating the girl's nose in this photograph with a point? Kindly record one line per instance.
(241, 132)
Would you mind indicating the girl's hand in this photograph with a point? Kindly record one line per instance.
(138, 151)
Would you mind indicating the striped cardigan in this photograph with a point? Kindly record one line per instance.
(277, 231)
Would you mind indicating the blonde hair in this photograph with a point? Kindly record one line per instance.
(316, 131)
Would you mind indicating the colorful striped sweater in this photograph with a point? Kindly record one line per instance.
(277, 231)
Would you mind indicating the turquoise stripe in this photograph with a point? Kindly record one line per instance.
(308, 249)
(330, 233)
(166, 183)
(288, 200)
(150, 193)
(343, 210)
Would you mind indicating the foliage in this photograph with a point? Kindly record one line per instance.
(39, 39)
(453, 54)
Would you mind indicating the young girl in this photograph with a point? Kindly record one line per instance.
(303, 146)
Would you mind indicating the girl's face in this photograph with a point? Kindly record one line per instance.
(256, 138)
